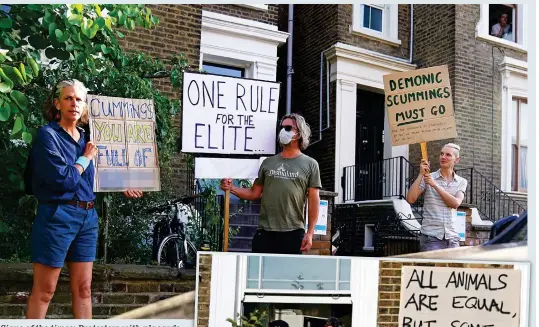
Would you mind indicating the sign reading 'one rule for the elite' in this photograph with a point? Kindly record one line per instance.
(124, 133)
(419, 106)
(227, 115)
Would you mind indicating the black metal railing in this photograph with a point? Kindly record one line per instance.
(491, 202)
(388, 178)
(375, 231)
(397, 235)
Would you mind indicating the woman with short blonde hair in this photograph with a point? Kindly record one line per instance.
(61, 176)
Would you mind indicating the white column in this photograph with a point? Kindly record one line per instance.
(391, 151)
(524, 292)
(345, 131)
(364, 286)
(222, 294)
(265, 71)
(507, 123)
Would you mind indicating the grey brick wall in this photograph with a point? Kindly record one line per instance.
(269, 16)
(434, 44)
(475, 80)
(315, 30)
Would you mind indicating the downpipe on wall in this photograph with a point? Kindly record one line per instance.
(411, 32)
(320, 129)
(289, 67)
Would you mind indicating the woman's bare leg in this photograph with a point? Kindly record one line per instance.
(45, 280)
(80, 280)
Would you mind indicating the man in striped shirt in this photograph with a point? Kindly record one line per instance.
(444, 191)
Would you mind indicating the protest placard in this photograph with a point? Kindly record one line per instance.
(124, 133)
(227, 115)
(420, 106)
(213, 168)
(321, 226)
(459, 297)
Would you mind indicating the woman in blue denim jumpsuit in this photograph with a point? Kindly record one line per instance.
(66, 226)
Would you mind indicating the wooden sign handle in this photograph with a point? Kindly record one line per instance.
(424, 155)
(227, 218)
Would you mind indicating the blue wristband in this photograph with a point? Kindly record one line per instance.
(83, 161)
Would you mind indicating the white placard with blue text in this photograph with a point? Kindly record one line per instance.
(461, 225)
(124, 133)
(321, 226)
(228, 115)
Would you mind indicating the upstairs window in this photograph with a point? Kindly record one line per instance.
(505, 25)
(519, 142)
(503, 22)
(377, 21)
(372, 17)
(223, 70)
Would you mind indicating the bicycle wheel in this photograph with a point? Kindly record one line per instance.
(190, 256)
(172, 253)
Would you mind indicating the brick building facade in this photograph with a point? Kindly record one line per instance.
(244, 37)
(340, 55)
(452, 35)
(368, 294)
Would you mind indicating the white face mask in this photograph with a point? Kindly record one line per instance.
(286, 137)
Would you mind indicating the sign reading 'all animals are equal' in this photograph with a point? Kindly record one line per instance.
(225, 115)
(124, 133)
(459, 297)
(419, 106)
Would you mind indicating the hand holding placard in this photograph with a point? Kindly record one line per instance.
(228, 115)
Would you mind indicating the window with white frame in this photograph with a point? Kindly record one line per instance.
(519, 145)
(371, 17)
(242, 43)
(369, 238)
(265, 274)
(257, 6)
(223, 70)
(504, 24)
(301, 291)
(377, 21)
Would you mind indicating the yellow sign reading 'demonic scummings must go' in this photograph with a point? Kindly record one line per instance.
(420, 106)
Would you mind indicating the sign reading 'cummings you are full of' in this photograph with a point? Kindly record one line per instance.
(419, 106)
(124, 133)
(459, 297)
(225, 115)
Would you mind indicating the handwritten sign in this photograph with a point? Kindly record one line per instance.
(124, 133)
(459, 297)
(227, 115)
(420, 106)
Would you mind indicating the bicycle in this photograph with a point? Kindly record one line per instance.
(175, 249)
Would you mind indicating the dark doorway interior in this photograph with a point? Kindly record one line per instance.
(369, 145)
(314, 315)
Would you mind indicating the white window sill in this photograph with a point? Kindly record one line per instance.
(502, 42)
(515, 194)
(377, 36)
(254, 6)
